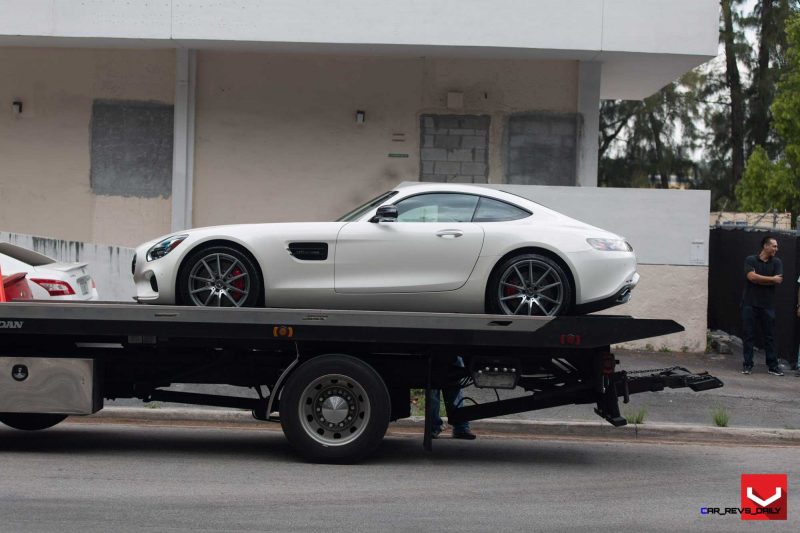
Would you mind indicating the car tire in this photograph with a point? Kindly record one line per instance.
(335, 409)
(529, 284)
(219, 276)
(31, 421)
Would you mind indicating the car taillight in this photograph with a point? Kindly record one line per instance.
(55, 287)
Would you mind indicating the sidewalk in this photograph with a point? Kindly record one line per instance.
(762, 409)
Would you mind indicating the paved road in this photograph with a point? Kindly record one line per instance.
(115, 477)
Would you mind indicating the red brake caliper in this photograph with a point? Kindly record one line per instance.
(238, 283)
(511, 290)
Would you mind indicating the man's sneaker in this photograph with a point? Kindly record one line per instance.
(776, 371)
(466, 435)
(746, 370)
(435, 433)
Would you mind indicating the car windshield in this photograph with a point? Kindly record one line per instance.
(358, 212)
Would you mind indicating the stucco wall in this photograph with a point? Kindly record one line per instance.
(277, 138)
(679, 293)
(45, 150)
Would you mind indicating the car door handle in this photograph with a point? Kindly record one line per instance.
(449, 233)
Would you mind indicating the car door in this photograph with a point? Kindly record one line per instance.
(433, 246)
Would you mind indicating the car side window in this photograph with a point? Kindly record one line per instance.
(437, 207)
(490, 210)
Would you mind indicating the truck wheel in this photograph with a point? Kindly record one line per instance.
(30, 421)
(335, 409)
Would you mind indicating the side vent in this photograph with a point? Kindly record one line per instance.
(309, 251)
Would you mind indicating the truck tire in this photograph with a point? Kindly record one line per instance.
(30, 421)
(335, 409)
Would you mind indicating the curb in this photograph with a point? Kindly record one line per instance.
(680, 433)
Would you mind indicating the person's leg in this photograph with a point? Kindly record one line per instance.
(767, 320)
(748, 334)
(454, 398)
(797, 362)
(434, 403)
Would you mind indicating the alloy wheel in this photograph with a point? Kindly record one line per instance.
(531, 287)
(219, 280)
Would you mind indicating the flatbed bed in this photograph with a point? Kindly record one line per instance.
(334, 379)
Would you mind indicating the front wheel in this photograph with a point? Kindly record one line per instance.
(529, 284)
(31, 421)
(219, 276)
(335, 409)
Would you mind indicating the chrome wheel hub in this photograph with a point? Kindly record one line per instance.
(334, 410)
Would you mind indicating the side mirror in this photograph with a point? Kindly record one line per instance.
(385, 213)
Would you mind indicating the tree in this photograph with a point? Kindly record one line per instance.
(775, 183)
(736, 95)
(653, 137)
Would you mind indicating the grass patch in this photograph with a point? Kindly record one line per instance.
(636, 417)
(152, 405)
(721, 417)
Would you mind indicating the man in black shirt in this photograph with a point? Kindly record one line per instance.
(762, 272)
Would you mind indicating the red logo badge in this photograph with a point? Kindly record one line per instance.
(764, 496)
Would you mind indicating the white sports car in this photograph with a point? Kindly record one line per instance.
(421, 247)
(51, 279)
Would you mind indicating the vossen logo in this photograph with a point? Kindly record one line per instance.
(11, 324)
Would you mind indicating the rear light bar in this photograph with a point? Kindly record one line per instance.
(55, 287)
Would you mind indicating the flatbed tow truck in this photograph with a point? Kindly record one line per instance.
(333, 379)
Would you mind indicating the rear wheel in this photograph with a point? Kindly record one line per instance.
(30, 421)
(335, 408)
(219, 276)
(529, 284)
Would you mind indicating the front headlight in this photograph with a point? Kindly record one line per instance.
(610, 245)
(165, 246)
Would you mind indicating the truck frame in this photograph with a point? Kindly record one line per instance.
(333, 379)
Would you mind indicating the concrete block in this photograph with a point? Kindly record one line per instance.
(431, 178)
(520, 141)
(433, 154)
(478, 169)
(447, 141)
(428, 122)
(449, 167)
(448, 122)
(459, 155)
(480, 179)
(461, 131)
(476, 122)
(561, 126)
(427, 141)
(479, 155)
(427, 167)
(473, 141)
(459, 179)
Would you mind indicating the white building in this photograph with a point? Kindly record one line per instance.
(136, 117)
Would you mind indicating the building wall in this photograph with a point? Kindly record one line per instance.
(45, 150)
(277, 138)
